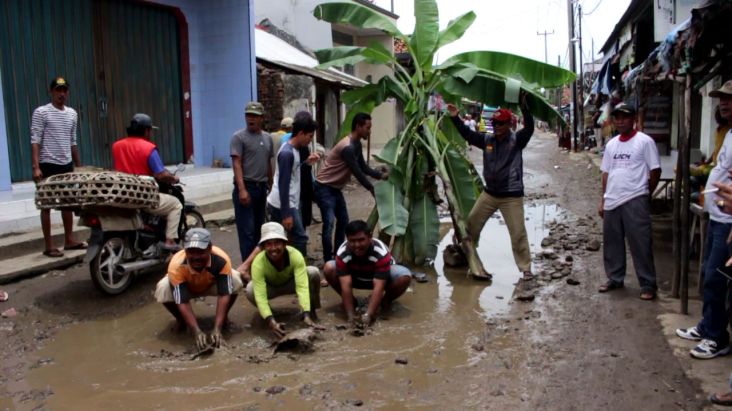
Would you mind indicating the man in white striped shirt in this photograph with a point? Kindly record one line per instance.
(53, 144)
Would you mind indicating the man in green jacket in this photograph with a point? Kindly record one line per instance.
(281, 270)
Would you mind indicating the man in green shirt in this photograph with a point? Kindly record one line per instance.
(281, 270)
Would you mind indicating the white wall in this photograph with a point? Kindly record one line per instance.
(296, 17)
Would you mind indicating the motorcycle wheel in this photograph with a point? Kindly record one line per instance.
(191, 219)
(103, 267)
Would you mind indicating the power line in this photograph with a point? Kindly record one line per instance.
(594, 8)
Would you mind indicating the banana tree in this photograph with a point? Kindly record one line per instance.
(429, 147)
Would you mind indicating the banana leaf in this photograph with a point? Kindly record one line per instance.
(423, 42)
(464, 183)
(424, 225)
(510, 65)
(393, 217)
(339, 56)
(493, 92)
(356, 15)
(390, 153)
(455, 29)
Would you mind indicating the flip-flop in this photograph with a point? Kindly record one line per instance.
(477, 277)
(609, 286)
(4, 296)
(55, 253)
(647, 296)
(714, 399)
(78, 246)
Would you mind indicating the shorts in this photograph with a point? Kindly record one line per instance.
(164, 292)
(395, 272)
(50, 169)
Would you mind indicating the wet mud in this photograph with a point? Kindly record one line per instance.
(449, 343)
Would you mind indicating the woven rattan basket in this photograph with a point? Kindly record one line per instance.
(97, 189)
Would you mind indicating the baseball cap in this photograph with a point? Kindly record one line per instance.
(725, 90)
(272, 231)
(142, 120)
(197, 238)
(254, 107)
(623, 108)
(286, 122)
(58, 82)
(502, 115)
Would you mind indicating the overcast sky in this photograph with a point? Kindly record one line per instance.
(511, 26)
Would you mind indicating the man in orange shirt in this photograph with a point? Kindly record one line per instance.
(199, 269)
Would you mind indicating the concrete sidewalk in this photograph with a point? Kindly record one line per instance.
(21, 251)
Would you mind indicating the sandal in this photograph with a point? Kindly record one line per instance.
(78, 246)
(4, 296)
(721, 399)
(609, 286)
(647, 296)
(55, 253)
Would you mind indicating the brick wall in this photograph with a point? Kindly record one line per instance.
(271, 93)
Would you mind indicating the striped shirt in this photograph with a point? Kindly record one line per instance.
(376, 264)
(55, 131)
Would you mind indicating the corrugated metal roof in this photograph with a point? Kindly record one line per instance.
(272, 49)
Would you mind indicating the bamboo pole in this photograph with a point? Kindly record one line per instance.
(676, 279)
(685, 160)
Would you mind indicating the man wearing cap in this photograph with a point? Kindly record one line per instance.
(54, 151)
(711, 331)
(630, 169)
(285, 129)
(251, 155)
(200, 269)
(503, 171)
(281, 270)
(363, 262)
(136, 154)
(284, 199)
(343, 160)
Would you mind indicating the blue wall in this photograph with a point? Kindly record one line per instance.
(4, 160)
(223, 72)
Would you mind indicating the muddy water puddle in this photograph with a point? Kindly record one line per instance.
(137, 361)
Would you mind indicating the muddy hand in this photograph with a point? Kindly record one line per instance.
(201, 340)
(312, 324)
(277, 328)
(216, 338)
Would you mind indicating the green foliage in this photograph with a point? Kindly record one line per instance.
(429, 148)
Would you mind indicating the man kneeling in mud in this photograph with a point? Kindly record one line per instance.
(365, 263)
(197, 270)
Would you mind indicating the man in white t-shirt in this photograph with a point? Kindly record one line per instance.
(711, 331)
(631, 169)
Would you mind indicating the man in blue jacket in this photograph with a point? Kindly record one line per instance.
(503, 172)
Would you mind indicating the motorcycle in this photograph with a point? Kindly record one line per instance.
(125, 242)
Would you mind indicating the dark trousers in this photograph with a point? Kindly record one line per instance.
(631, 221)
(249, 219)
(333, 209)
(713, 325)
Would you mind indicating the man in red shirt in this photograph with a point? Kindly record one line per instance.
(136, 154)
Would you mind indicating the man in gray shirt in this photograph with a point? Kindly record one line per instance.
(251, 152)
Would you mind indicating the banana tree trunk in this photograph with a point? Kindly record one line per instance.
(475, 266)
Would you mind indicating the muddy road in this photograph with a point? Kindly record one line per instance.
(451, 343)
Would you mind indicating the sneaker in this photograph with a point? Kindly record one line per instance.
(708, 349)
(689, 334)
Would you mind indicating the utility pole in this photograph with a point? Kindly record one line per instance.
(545, 33)
(581, 92)
(573, 117)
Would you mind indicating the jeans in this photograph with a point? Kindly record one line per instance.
(713, 325)
(249, 219)
(297, 234)
(332, 207)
